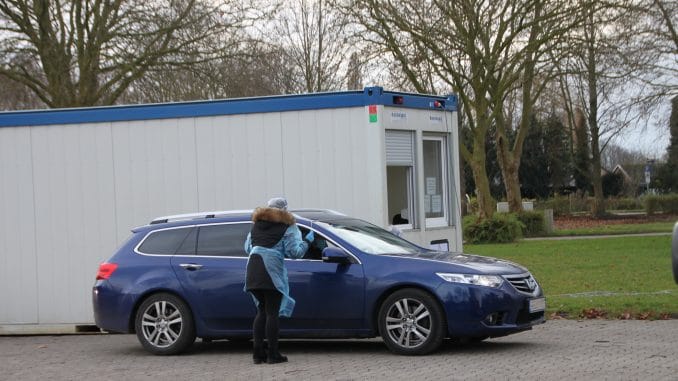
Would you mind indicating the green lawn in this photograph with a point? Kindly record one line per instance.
(616, 275)
(651, 227)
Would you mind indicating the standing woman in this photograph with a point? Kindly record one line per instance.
(274, 236)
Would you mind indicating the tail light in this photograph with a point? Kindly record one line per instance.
(105, 270)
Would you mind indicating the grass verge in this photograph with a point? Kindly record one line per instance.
(651, 227)
(619, 277)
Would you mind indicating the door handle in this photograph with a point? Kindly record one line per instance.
(190, 266)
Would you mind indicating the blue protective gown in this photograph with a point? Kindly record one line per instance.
(291, 245)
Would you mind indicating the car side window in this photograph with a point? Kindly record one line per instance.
(188, 246)
(165, 242)
(315, 249)
(223, 240)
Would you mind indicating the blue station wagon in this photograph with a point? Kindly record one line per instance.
(182, 277)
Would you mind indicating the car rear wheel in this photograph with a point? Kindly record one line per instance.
(164, 325)
(411, 322)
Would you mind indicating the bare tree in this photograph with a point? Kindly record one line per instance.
(255, 69)
(16, 96)
(651, 47)
(616, 155)
(609, 76)
(90, 51)
(354, 78)
(315, 39)
(483, 50)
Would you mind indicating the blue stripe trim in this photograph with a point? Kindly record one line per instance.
(315, 101)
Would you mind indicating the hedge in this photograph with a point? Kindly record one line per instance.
(500, 228)
(667, 203)
(533, 223)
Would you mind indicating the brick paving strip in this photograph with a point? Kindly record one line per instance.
(557, 350)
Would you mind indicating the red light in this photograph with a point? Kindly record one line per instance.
(398, 100)
(105, 270)
(437, 104)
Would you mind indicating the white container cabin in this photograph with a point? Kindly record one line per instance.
(73, 182)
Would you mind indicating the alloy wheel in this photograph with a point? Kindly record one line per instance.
(162, 324)
(408, 323)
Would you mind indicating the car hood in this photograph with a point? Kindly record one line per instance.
(469, 263)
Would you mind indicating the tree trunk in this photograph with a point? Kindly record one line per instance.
(475, 156)
(509, 172)
(485, 202)
(599, 201)
(509, 156)
(598, 209)
(509, 166)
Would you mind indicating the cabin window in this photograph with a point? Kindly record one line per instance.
(400, 178)
(435, 181)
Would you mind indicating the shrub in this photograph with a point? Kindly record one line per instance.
(471, 206)
(623, 204)
(533, 223)
(559, 204)
(667, 203)
(564, 205)
(500, 228)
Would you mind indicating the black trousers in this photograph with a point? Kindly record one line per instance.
(267, 322)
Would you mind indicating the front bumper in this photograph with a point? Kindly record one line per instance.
(477, 311)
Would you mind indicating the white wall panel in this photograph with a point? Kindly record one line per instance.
(344, 159)
(75, 216)
(313, 165)
(264, 157)
(239, 182)
(18, 283)
(375, 147)
(239, 160)
(293, 160)
(329, 149)
(219, 162)
(333, 161)
(51, 204)
(187, 200)
(273, 157)
(154, 169)
(206, 177)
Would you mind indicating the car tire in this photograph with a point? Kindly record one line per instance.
(411, 322)
(164, 324)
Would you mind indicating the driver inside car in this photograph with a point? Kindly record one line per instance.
(315, 248)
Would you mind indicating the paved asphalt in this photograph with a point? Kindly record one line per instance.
(557, 350)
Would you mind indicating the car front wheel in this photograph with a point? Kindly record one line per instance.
(411, 322)
(164, 325)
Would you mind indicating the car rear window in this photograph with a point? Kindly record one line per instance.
(166, 241)
(223, 240)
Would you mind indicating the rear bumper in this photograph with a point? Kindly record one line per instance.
(111, 311)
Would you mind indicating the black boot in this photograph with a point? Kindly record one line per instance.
(276, 358)
(259, 355)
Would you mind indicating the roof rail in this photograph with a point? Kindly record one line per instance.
(197, 216)
(225, 213)
(307, 210)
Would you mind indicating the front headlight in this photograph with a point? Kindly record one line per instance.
(493, 281)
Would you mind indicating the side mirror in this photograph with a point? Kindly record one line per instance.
(335, 255)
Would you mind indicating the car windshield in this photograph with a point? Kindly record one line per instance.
(369, 238)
